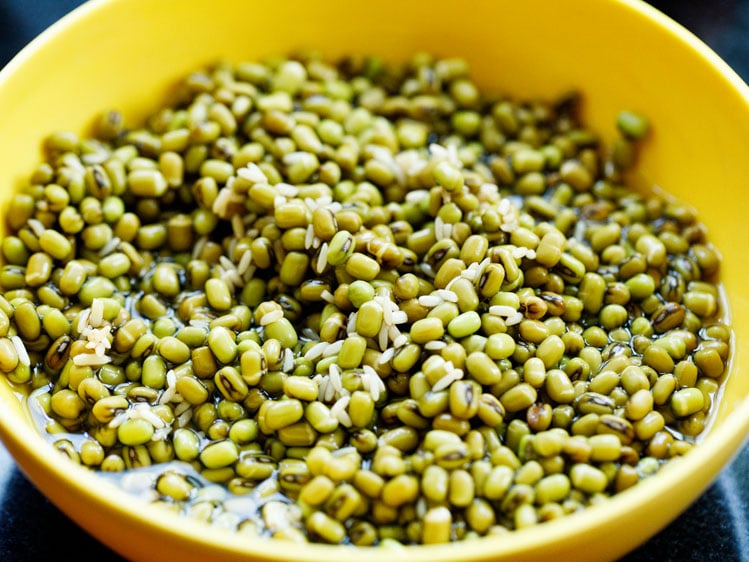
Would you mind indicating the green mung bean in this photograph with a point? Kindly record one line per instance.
(530, 336)
(632, 125)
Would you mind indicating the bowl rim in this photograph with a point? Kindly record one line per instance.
(22, 439)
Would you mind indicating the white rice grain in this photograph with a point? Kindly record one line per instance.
(285, 189)
(322, 258)
(366, 381)
(182, 407)
(82, 322)
(168, 395)
(119, 419)
(351, 325)
(446, 295)
(438, 228)
(519, 252)
(411, 162)
(36, 227)
(318, 380)
(270, 317)
(249, 273)
(72, 161)
(98, 340)
(488, 192)
(514, 319)
(184, 418)
(430, 301)
(501, 310)
(91, 360)
(338, 410)
(253, 173)
(482, 265)
(399, 317)
(288, 361)
(327, 202)
(400, 341)
(427, 270)
(161, 434)
(109, 247)
(244, 262)
(230, 277)
(329, 393)
(237, 226)
(316, 351)
(221, 203)
(227, 264)
(333, 348)
(96, 316)
(471, 272)
(416, 196)
(382, 337)
(377, 389)
(446, 380)
(386, 355)
(199, 246)
(387, 308)
(144, 412)
(312, 205)
(23, 355)
(334, 375)
(447, 153)
(122, 316)
(394, 333)
(373, 384)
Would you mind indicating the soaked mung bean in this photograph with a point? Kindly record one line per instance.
(377, 303)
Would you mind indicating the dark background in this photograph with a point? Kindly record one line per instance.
(715, 527)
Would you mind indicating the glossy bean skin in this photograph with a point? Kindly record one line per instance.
(397, 308)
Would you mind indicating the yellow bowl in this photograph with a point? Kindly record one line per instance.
(621, 53)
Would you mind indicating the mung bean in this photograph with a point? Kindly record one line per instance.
(404, 312)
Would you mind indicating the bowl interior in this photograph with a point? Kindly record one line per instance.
(127, 54)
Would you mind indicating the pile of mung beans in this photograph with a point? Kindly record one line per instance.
(360, 302)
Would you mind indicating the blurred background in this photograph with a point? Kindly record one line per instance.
(714, 528)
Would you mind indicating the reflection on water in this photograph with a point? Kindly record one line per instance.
(715, 528)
